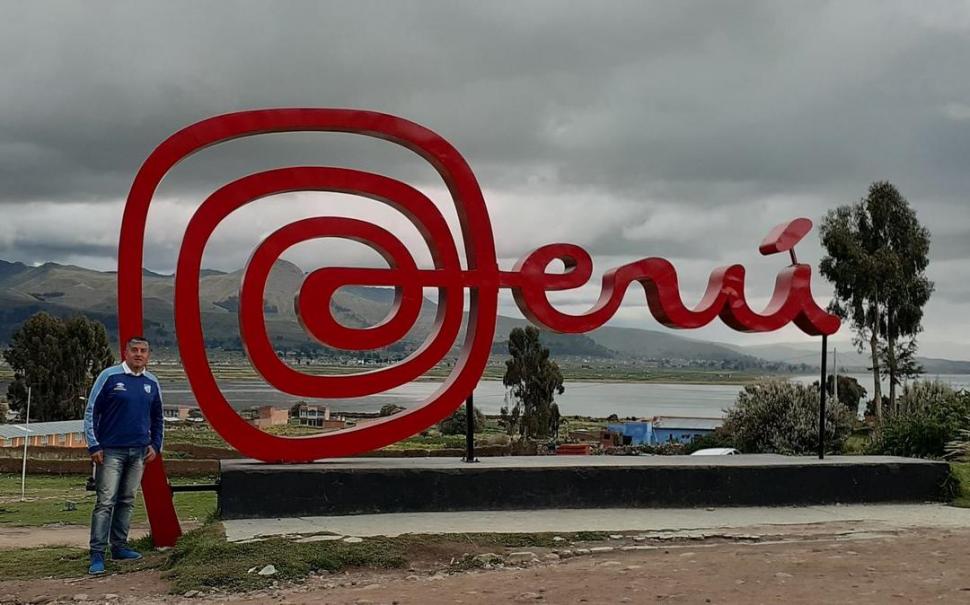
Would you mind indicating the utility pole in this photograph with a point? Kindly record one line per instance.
(23, 469)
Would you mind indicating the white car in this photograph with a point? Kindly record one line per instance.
(717, 451)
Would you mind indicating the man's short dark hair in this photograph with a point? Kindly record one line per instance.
(137, 339)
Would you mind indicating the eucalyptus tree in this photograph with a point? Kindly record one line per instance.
(533, 380)
(58, 360)
(877, 253)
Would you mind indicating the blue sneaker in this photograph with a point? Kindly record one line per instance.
(97, 564)
(125, 554)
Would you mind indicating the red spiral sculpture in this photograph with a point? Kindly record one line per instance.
(530, 282)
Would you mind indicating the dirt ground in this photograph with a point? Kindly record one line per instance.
(822, 563)
(54, 535)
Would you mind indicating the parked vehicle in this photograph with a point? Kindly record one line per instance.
(717, 451)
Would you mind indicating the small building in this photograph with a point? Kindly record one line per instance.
(682, 430)
(663, 429)
(175, 413)
(66, 433)
(267, 415)
(638, 432)
(309, 414)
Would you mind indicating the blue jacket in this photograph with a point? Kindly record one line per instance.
(124, 410)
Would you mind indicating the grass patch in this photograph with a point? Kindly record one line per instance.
(856, 443)
(960, 471)
(194, 434)
(51, 497)
(54, 562)
(66, 562)
(539, 540)
(203, 559)
(590, 536)
(429, 442)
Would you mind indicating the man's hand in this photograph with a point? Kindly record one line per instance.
(150, 454)
(98, 457)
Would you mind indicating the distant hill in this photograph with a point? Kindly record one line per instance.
(574, 345)
(65, 290)
(847, 358)
(652, 344)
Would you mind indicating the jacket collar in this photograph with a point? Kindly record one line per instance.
(129, 371)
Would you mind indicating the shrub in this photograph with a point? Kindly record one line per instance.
(781, 417)
(455, 424)
(389, 409)
(720, 437)
(669, 448)
(850, 392)
(959, 448)
(926, 396)
(921, 435)
(931, 416)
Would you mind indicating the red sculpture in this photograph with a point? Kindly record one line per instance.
(792, 300)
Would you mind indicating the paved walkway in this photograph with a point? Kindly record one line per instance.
(572, 520)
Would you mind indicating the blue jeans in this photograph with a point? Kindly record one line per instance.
(116, 480)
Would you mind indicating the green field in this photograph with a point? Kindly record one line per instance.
(49, 499)
(203, 435)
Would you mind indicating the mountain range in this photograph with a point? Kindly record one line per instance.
(65, 290)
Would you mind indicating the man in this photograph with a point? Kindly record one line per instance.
(123, 427)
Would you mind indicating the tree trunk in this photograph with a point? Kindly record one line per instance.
(874, 349)
(891, 362)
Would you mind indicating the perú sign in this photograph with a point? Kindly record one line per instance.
(530, 281)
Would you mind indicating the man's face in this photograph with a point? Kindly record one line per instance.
(136, 356)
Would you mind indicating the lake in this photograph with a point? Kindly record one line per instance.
(956, 381)
(598, 399)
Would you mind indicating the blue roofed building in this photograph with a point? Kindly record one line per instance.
(632, 432)
(663, 429)
(682, 430)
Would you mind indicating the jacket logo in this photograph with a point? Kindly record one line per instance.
(148, 388)
(120, 386)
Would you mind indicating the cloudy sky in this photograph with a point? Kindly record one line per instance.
(676, 129)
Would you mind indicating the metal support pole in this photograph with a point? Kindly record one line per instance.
(470, 428)
(824, 386)
(835, 372)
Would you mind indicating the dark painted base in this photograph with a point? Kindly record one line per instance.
(252, 489)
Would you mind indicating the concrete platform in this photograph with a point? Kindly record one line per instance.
(251, 489)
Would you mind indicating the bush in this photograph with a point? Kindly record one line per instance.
(669, 448)
(959, 448)
(931, 415)
(389, 409)
(850, 392)
(720, 437)
(781, 417)
(920, 435)
(927, 396)
(455, 424)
